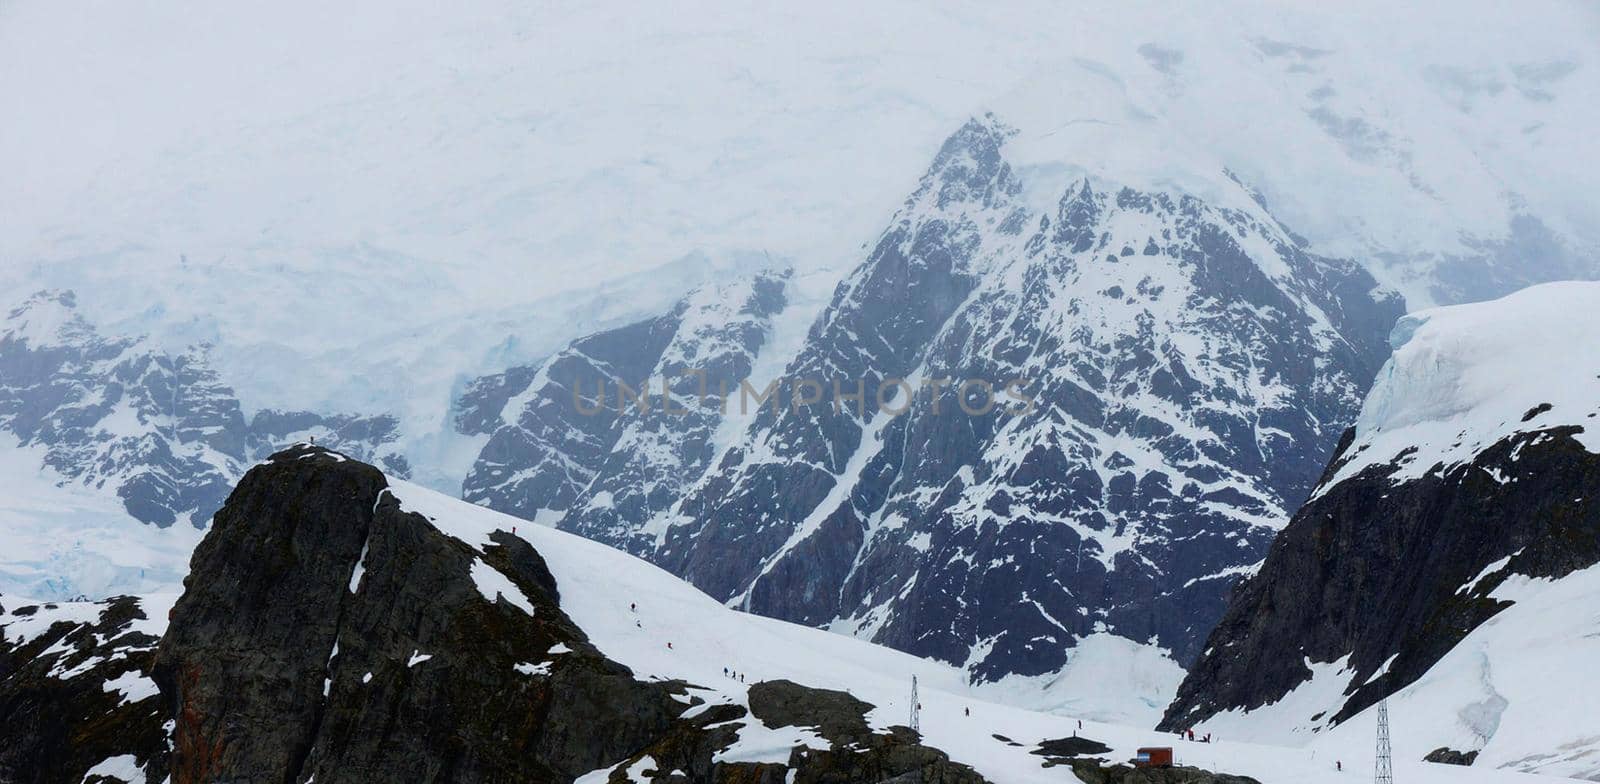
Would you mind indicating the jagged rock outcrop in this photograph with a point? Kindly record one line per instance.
(325, 633)
(1448, 756)
(76, 701)
(1059, 750)
(856, 752)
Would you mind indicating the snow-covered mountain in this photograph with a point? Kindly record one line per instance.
(556, 156)
(1450, 558)
(400, 170)
(372, 629)
(116, 448)
(115, 418)
(1188, 364)
(566, 445)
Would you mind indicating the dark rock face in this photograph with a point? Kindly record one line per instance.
(1449, 756)
(1371, 569)
(1189, 366)
(326, 633)
(1093, 773)
(163, 429)
(1064, 749)
(835, 714)
(251, 637)
(75, 691)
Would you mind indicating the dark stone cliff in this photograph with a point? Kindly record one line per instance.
(74, 691)
(1373, 569)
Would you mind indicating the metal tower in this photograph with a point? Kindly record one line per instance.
(916, 707)
(1383, 772)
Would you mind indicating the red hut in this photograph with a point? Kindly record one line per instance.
(1154, 757)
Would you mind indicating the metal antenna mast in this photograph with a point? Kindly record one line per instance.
(1383, 772)
(916, 707)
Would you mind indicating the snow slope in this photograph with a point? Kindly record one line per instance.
(598, 585)
(1526, 670)
(1467, 376)
(1107, 678)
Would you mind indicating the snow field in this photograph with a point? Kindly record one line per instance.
(598, 584)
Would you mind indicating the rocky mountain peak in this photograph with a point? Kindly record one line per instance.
(1188, 365)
